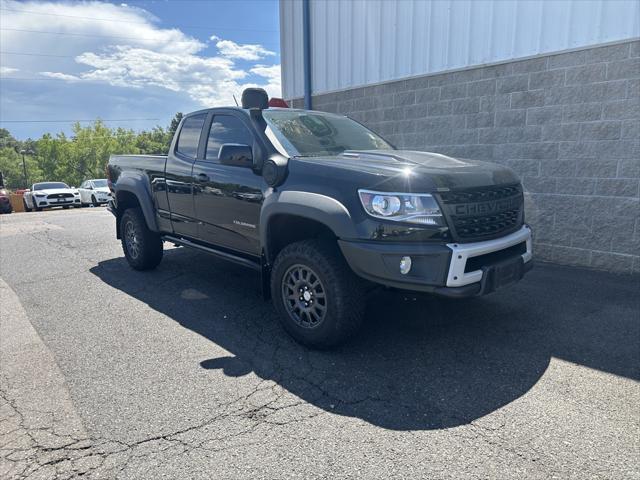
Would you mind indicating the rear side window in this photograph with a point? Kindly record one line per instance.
(226, 129)
(190, 135)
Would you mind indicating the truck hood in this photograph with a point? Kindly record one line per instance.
(415, 171)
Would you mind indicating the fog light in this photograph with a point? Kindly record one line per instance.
(405, 265)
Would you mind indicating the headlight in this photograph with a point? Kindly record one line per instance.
(40, 194)
(420, 208)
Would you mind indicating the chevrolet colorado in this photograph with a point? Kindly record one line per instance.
(324, 209)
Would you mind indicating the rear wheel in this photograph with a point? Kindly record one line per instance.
(320, 300)
(142, 247)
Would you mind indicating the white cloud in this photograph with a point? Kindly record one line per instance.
(7, 70)
(93, 24)
(272, 72)
(247, 51)
(60, 76)
(131, 51)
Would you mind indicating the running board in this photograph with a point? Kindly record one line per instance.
(218, 253)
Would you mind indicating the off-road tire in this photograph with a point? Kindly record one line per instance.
(344, 293)
(147, 252)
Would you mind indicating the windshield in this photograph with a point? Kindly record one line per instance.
(99, 183)
(312, 134)
(49, 185)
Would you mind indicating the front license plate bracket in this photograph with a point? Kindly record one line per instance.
(501, 274)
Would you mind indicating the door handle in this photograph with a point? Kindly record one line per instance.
(203, 177)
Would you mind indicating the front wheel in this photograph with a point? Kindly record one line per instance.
(94, 202)
(24, 204)
(142, 247)
(320, 300)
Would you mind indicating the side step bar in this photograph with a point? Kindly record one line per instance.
(218, 253)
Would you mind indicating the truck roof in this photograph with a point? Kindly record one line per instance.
(246, 110)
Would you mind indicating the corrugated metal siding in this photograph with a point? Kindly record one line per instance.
(357, 42)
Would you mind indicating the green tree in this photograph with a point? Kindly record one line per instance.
(84, 154)
(175, 121)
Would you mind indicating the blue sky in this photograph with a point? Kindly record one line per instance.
(135, 61)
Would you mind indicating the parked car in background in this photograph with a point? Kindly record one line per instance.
(5, 202)
(94, 192)
(50, 194)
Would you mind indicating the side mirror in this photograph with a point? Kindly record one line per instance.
(275, 170)
(236, 155)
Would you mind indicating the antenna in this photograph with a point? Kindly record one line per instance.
(235, 99)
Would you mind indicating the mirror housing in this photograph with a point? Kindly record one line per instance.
(236, 154)
(275, 170)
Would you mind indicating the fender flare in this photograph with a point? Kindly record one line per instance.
(313, 206)
(137, 184)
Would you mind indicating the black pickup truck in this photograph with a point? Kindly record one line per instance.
(324, 209)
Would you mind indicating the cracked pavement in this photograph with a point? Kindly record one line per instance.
(184, 372)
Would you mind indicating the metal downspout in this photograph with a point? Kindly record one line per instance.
(306, 45)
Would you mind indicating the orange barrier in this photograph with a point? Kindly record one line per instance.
(16, 202)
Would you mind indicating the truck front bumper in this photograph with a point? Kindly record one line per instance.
(452, 270)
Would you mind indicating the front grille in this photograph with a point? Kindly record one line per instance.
(480, 195)
(488, 225)
(483, 213)
(60, 195)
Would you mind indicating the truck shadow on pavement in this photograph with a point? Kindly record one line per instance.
(418, 364)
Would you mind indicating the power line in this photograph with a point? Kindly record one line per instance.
(137, 22)
(90, 35)
(29, 54)
(75, 34)
(146, 81)
(81, 121)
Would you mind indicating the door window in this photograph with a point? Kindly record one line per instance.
(190, 135)
(226, 129)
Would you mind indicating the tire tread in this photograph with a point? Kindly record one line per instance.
(151, 247)
(346, 289)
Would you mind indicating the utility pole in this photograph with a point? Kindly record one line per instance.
(24, 168)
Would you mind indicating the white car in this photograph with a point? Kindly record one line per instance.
(50, 194)
(94, 192)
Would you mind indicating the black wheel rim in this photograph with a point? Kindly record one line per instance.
(304, 296)
(131, 240)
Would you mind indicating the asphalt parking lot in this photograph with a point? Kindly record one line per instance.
(183, 372)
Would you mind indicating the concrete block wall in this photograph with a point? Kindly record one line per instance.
(568, 124)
